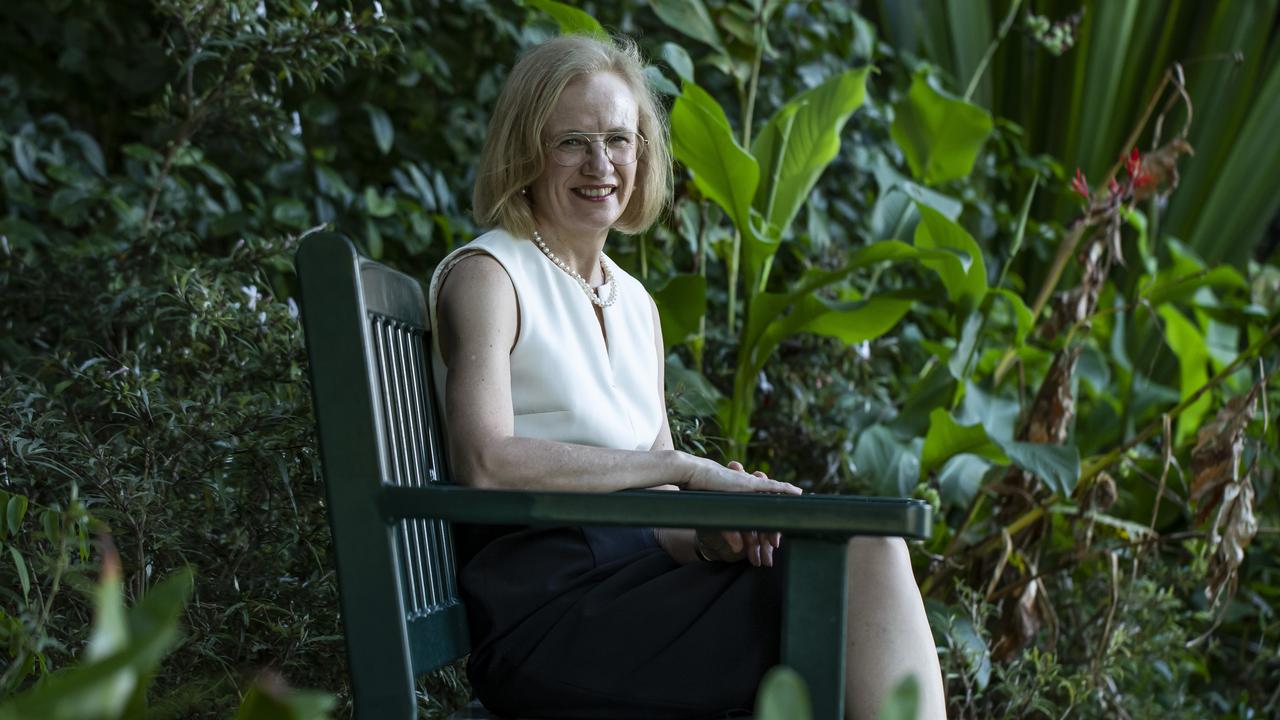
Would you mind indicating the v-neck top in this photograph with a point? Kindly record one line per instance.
(567, 383)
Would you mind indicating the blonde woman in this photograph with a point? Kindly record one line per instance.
(549, 361)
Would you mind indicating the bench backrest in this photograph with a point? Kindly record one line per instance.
(368, 343)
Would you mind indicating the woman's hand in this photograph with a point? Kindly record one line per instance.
(704, 474)
(753, 546)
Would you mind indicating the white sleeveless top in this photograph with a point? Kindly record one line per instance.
(566, 385)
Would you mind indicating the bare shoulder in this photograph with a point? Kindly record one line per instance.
(472, 275)
(476, 304)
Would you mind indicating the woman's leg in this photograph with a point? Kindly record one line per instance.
(888, 634)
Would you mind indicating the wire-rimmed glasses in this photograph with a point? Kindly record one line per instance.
(622, 147)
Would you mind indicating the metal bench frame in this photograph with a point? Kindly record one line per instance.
(390, 501)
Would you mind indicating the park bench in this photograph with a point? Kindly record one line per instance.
(391, 504)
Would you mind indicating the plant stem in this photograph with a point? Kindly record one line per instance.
(748, 110)
(991, 49)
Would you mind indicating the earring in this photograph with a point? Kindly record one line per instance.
(524, 191)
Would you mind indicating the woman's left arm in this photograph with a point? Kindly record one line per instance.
(682, 543)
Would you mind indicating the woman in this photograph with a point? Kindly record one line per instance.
(549, 361)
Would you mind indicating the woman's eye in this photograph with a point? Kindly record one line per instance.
(572, 142)
(620, 140)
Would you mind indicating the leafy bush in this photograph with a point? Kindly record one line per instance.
(1077, 421)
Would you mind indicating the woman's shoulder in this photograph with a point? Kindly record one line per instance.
(476, 269)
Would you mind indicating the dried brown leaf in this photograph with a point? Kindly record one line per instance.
(1233, 529)
(1215, 460)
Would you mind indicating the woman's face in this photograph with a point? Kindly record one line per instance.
(587, 198)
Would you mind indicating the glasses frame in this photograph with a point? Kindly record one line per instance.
(592, 138)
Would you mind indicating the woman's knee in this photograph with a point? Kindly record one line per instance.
(875, 551)
(870, 545)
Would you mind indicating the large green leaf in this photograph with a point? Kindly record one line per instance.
(571, 20)
(1170, 285)
(894, 216)
(101, 687)
(1241, 199)
(768, 306)
(997, 415)
(960, 478)
(939, 134)
(682, 303)
(703, 140)
(890, 466)
(783, 695)
(848, 321)
(678, 59)
(947, 438)
(965, 281)
(691, 18)
(1188, 344)
(1097, 126)
(690, 392)
(1057, 465)
(791, 161)
(1022, 318)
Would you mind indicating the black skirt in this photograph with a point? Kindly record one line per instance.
(597, 623)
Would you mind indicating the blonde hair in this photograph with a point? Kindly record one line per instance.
(514, 154)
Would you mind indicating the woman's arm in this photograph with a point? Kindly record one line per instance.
(477, 314)
(682, 544)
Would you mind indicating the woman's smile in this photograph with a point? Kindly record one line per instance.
(595, 193)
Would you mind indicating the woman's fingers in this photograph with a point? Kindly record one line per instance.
(733, 539)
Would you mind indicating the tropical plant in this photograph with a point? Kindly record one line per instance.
(1096, 436)
(1080, 100)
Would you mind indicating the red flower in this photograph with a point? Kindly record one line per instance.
(1137, 170)
(1133, 163)
(1113, 187)
(1080, 185)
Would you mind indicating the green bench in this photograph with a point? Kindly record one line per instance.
(391, 503)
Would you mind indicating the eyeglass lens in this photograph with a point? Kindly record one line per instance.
(622, 148)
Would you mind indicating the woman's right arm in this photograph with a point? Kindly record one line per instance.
(477, 314)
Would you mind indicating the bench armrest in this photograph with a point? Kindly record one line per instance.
(812, 515)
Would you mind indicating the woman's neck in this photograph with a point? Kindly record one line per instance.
(582, 253)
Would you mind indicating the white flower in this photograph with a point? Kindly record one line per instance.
(252, 294)
(293, 308)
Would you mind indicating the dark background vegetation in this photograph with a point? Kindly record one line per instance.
(160, 159)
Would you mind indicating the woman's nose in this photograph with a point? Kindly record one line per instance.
(597, 161)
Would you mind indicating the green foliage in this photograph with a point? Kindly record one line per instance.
(1080, 100)
(783, 695)
(123, 654)
(571, 19)
(121, 657)
(847, 288)
(940, 135)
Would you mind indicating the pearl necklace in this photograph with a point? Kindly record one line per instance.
(608, 274)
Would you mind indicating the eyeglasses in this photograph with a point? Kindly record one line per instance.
(622, 147)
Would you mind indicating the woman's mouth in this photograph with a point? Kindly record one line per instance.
(595, 193)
